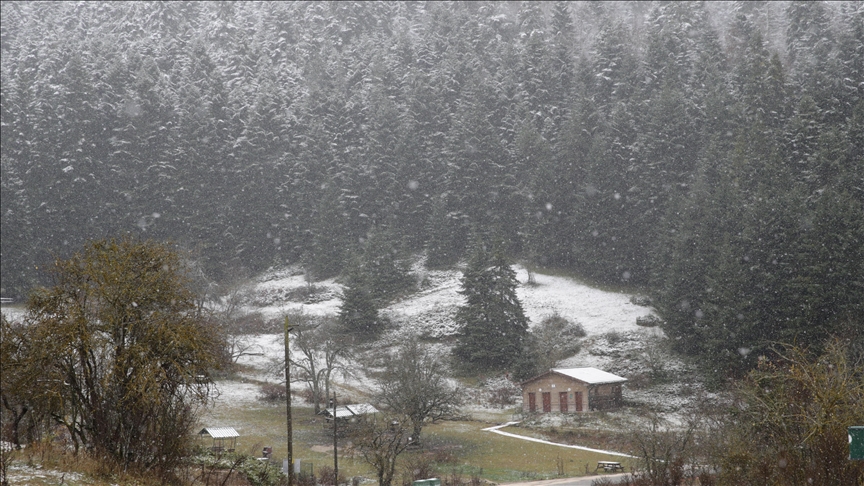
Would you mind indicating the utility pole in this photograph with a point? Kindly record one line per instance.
(335, 455)
(288, 405)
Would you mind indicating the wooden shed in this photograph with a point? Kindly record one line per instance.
(569, 390)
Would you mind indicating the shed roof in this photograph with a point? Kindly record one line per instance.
(354, 410)
(219, 432)
(361, 408)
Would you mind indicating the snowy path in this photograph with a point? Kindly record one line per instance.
(496, 430)
(580, 481)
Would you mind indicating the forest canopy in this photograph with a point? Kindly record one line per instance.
(711, 152)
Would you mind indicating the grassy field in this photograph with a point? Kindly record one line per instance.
(459, 447)
(264, 426)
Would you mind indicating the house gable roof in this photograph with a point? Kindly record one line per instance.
(590, 376)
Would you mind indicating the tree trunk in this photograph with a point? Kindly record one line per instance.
(415, 433)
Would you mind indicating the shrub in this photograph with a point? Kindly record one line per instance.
(503, 396)
(641, 300)
(648, 321)
(326, 475)
(272, 392)
(555, 338)
(614, 337)
(308, 395)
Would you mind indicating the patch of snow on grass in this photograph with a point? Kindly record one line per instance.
(271, 295)
(19, 473)
(598, 311)
(14, 313)
(236, 394)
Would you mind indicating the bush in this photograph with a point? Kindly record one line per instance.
(641, 300)
(503, 396)
(308, 396)
(272, 392)
(648, 321)
(614, 337)
(326, 475)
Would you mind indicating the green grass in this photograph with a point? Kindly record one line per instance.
(504, 459)
(471, 451)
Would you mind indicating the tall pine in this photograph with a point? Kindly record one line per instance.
(493, 326)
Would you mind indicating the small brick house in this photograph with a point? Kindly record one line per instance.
(569, 390)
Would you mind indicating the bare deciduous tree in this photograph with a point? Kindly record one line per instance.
(321, 351)
(414, 384)
(379, 440)
(664, 452)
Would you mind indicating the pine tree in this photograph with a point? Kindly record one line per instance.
(386, 271)
(358, 313)
(493, 327)
(445, 241)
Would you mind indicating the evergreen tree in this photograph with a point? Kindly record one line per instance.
(387, 272)
(358, 314)
(326, 255)
(445, 240)
(493, 327)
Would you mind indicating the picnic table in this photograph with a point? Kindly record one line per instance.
(609, 466)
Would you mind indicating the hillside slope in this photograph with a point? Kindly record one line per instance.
(660, 381)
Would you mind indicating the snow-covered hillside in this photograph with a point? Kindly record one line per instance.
(430, 310)
(614, 342)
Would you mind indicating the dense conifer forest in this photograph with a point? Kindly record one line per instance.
(711, 153)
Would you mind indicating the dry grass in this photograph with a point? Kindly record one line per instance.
(48, 464)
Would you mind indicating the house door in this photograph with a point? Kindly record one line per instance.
(578, 401)
(532, 402)
(547, 401)
(562, 402)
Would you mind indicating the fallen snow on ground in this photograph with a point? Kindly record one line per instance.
(658, 380)
(598, 311)
(275, 293)
(237, 394)
(20, 473)
(430, 311)
(13, 313)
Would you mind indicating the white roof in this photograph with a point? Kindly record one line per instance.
(352, 410)
(361, 408)
(592, 376)
(219, 432)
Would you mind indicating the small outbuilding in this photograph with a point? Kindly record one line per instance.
(224, 438)
(569, 390)
(348, 412)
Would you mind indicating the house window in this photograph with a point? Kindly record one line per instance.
(532, 402)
